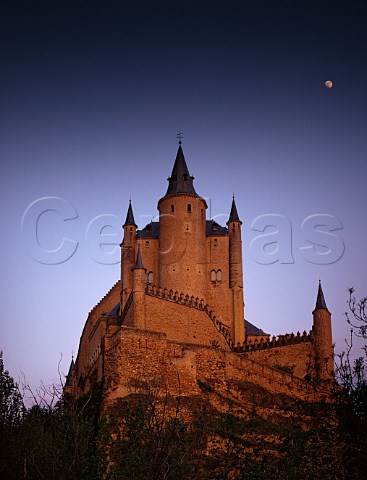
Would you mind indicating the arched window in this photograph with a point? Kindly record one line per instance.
(215, 242)
(213, 276)
(189, 207)
(147, 243)
(216, 276)
(172, 208)
(150, 277)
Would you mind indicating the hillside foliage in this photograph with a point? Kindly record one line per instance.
(150, 434)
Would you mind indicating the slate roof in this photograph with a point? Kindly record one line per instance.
(320, 301)
(130, 216)
(233, 216)
(139, 262)
(152, 230)
(213, 228)
(113, 312)
(68, 381)
(149, 231)
(253, 330)
(180, 180)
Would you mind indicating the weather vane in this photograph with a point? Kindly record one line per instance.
(180, 137)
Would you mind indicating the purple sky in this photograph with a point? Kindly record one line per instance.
(92, 97)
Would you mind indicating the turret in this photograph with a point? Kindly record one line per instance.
(139, 272)
(128, 247)
(236, 275)
(70, 383)
(182, 254)
(322, 338)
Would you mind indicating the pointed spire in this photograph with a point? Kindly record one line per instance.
(139, 262)
(68, 381)
(180, 180)
(233, 216)
(320, 302)
(130, 216)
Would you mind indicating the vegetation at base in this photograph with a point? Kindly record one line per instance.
(150, 434)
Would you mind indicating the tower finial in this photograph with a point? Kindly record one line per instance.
(180, 137)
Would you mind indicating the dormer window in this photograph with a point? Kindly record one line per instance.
(184, 177)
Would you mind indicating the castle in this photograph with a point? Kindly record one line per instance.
(176, 316)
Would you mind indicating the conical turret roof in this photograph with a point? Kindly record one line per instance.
(233, 216)
(139, 261)
(320, 301)
(180, 180)
(130, 216)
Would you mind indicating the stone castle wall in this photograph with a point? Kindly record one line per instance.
(137, 358)
(91, 340)
(296, 357)
(181, 323)
(218, 297)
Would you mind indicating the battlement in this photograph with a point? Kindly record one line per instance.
(276, 341)
(103, 298)
(192, 302)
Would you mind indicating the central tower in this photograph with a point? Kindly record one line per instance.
(182, 221)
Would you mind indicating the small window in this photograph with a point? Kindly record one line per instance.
(189, 207)
(184, 177)
(131, 229)
(172, 208)
(219, 275)
(215, 242)
(147, 244)
(216, 276)
(150, 277)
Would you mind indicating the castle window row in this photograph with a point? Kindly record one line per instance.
(188, 208)
(216, 276)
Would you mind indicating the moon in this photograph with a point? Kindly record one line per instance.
(329, 84)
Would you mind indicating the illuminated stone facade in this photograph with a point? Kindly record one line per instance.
(177, 313)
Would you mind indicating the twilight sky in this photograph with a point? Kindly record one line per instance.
(92, 97)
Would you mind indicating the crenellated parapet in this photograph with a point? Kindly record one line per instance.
(192, 302)
(276, 341)
(104, 297)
